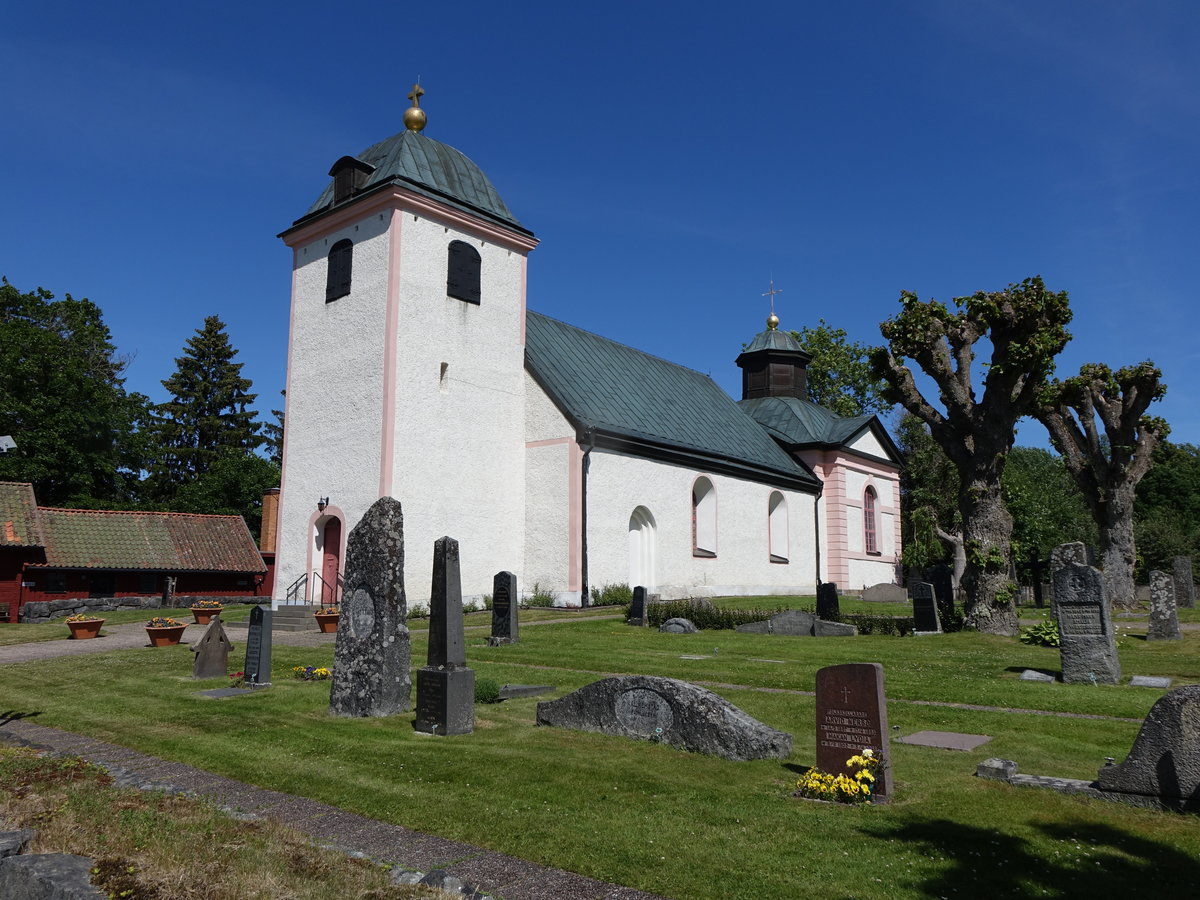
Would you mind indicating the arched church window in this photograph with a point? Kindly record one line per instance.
(337, 277)
(777, 527)
(462, 272)
(870, 520)
(704, 518)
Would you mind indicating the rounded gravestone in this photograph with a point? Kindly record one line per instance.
(678, 626)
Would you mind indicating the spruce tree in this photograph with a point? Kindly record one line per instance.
(208, 416)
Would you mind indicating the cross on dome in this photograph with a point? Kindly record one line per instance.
(414, 116)
(772, 320)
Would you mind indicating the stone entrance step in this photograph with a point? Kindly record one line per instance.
(288, 618)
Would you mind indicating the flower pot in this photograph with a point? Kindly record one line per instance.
(81, 631)
(204, 616)
(327, 622)
(165, 637)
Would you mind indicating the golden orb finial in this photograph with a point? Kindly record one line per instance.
(414, 116)
(772, 322)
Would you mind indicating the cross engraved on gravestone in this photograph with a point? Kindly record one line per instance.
(644, 712)
(851, 717)
(925, 611)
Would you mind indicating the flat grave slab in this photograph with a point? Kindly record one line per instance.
(760, 659)
(222, 693)
(1153, 681)
(1035, 675)
(693, 656)
(945, 740)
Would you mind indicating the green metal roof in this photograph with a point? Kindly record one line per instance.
(431, 168)
(615, 390)
(774, 339)
(178, 542)
(801, 422)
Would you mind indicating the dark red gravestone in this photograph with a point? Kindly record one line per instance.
(852, 717)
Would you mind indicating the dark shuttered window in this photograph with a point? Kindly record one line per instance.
(337, 279)
(462, 272)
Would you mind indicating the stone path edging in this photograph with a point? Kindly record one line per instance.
(505, 877)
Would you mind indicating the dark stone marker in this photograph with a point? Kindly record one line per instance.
(372, 653)
(445, 686)
(1088, 648)
(212, 652)
(504, 610)
(684, 715)
(1185, 584)
(852, 717)
(1035, 574)
(885, 592)
(637, 612)
(828, 607)
(257, 669)
(942, 579)
(1164, 618)
(925, 611)
(1163, 768)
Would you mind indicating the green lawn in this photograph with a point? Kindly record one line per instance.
(679, 824)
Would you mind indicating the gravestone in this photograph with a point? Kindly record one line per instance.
(372, 651)
(795, 623)
(678, 626)
(637, 612)
(1072, 552)
(828, 607)
(925, 611)
(445, 686)
(885, 592)
(212, 652)
(504, 610)
(683, 715)
(852, 717)
(942, 579)
(1087, 646)
(1185, 584)
(1164, 618)
(1035, 675)
(1163, 767)
(257, 668)
(1035, 575)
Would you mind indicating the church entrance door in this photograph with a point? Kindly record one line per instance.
(331, 558)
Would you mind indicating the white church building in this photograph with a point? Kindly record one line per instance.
(416, 371)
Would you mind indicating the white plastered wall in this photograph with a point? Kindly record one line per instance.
(550, 446)
(335, 392)
(618, 483)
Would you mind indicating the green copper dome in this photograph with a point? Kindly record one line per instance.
(431, 168)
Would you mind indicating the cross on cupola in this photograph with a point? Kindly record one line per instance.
(772, 320)
(414, 116)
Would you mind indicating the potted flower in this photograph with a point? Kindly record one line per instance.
(84, 626)
(164, 631)
(204, 610)
(327, 618)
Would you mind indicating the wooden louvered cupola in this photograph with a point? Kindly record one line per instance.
(773, 365)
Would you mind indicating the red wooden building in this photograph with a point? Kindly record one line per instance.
(49, 555)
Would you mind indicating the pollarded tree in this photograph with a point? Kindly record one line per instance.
(208, 415)
(932, 526)
(1097, 422)
(1026, 327)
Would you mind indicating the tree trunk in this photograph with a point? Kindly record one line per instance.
(1117, 552)
(987, 532)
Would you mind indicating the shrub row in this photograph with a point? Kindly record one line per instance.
(704, 615)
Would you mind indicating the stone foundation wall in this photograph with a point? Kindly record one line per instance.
(42, 611)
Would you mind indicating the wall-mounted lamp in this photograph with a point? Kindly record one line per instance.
(322, 503)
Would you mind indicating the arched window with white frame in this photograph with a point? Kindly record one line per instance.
(870, 520)
(777, 527)
(704, 518)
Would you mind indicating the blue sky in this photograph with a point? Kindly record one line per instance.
(671, 157)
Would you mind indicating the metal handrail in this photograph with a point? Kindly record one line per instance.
(299, 586)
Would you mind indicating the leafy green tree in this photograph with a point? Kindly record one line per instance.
(233, 486)
(930, 521)
(839, 375)
(1167, 508)
(63, 401)
(208, 416)
(1045, 503)
(273, 435)
(1097, 422)
(1025, 325)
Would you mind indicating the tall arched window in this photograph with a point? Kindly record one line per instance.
(337, 277)
(870, 520)
(462, 272)
(704, 518)
(642, 550)
(777, 527)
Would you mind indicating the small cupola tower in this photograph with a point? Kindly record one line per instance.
(773, 365)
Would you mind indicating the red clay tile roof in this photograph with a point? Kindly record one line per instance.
(177, 542)
(18, 515)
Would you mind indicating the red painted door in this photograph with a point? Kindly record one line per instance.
(330, 561)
